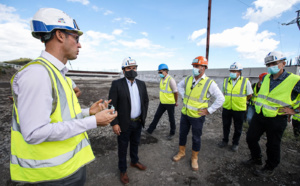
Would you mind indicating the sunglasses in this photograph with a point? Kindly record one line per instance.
(76, 37)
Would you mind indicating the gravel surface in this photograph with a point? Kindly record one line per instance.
(216, 166)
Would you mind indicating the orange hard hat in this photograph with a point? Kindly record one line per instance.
(200, 60)
(262, 75)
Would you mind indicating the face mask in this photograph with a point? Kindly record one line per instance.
(273, 69)
(196, 72)
(161, 75)
(130, 74)
(232, 75)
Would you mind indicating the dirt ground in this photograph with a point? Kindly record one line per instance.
(216, 166)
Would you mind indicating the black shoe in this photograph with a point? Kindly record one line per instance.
(266, 171)
(147, 133)
(234, 148)
(170, 136)
(253, 162)
(222, 144)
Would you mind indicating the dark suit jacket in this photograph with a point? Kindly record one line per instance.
(119, 94)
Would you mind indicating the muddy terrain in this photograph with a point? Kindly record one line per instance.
(216, 166)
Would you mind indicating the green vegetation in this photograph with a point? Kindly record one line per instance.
(21, 61)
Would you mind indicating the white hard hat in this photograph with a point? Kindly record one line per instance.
(236, 66)
(47, 19)
(128, 62)
(274, 56)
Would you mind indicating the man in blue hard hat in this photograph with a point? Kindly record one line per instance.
(168, 96)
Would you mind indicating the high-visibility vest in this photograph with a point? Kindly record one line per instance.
(269, 102)
(195, 98)
(235, 96)
(296, 117)
(166, 95)
(254, 95)
(50, 160)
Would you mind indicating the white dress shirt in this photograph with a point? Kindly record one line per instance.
(213, 91)
(135, 99)
(33, 88)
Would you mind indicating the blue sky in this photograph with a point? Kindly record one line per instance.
(155, 32)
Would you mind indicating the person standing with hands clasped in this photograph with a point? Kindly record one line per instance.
(49, 143)
(168, 96)
(196, 91)
(237, 91)
(278, 97)
(130, 98)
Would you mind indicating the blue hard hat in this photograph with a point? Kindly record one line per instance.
(163, 67)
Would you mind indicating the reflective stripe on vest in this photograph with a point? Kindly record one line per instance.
(166, 96)
(236, 102)
(296, 117)
(193, 101)
(269, 102)
(50, 160)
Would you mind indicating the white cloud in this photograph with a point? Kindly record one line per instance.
(125, 20)
(7, 14)
(93, 38)
(139, 44)
(107, 12)
(247, 41)
(266, 10)
(197, 34)
(96, 8)
(117, 32)
(84, 2)
(144, 34)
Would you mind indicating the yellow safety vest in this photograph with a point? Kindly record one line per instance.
(235, 96)
(269, 102)
(51, 160)
(195, 99)
(166, 95)
(296, 117)
(254, 95)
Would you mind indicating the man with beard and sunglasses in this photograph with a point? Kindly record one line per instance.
(130, 98)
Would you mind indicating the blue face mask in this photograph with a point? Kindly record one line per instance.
(196, 72)
(232, 75)
(161, 75)
(273, 69)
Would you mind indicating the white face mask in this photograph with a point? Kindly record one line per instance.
(196, 72)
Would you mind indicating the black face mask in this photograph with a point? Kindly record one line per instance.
(130, 74)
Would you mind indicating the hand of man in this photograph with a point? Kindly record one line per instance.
(203, 112)
(176, 104)
(286, 111)
(105, 117)
(99, 106)
(116, 128)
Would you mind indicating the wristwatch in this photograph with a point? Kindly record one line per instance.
(297, 111)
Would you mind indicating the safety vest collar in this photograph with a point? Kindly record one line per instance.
(167, 85)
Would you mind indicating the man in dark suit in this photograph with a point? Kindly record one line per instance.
(130, 98)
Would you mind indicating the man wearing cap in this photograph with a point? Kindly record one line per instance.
(278, 97)
(168, 96)
(237, 91)
(196, 91)
(130, 98)
(49, 143)
(251, 105)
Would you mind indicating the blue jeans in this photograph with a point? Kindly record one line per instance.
(185, 124)
(159, 112)
(133, 136)
(250, 113)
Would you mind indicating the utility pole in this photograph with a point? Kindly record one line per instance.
(298, 18)
(208, 28)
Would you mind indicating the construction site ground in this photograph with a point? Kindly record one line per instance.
(216, 166)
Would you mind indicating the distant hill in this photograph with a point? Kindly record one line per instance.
(21, 61)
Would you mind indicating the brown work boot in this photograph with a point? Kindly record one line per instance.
(124, 178)
(180, 154)
(194, 160)
(139, 166)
